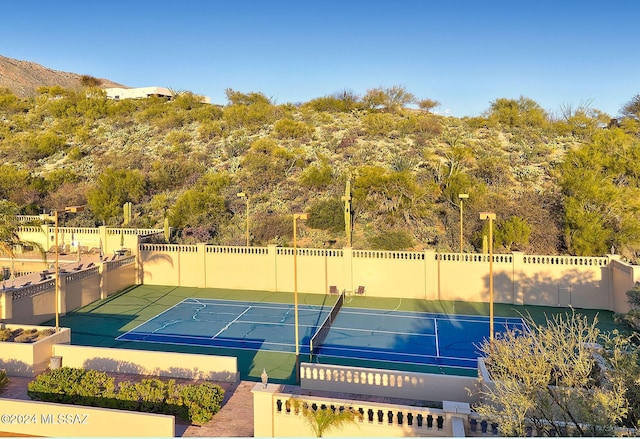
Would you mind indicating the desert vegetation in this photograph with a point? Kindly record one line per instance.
(561, 183)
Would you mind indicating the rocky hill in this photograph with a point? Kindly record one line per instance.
(23, 78)
(558, 185)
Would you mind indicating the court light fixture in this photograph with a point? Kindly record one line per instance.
(491, 217)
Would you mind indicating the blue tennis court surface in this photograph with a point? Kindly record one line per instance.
(365, 334)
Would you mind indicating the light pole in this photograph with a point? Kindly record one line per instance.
(462, 198)
(54, 216)
(246, 198)
(296, 217)
(490, 216)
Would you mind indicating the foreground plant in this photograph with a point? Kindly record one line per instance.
(564, 377)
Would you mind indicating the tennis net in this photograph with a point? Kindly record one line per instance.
(323, 330)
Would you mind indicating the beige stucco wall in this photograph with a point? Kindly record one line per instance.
(30, 359)
(157, 363)
(387, 383)
(272, 419)
(581, 282)
(518, 279)
(35, 303)
(64, 420)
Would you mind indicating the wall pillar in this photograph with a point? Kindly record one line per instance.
(102, 272)
(6, 305)
(62, 310)
(430, 274)
(263, 415)
(347, 267)
(202, 270)
(517, 292)
(272, 282)
(456, 416)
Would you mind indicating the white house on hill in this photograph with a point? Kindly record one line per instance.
(118, 93)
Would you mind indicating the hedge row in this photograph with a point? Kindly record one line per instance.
(196, 403)
(4, 381)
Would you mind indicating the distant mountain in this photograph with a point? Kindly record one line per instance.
(23, 78)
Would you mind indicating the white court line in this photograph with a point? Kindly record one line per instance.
(435, 324)
(379, 331)
(231, 322)
(391, 354)
(154, 317)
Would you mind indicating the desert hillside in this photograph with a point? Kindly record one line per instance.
(23, 78)
(564, 183)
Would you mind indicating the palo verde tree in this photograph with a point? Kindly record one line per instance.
(554, 378)
(115, 187)
(601, 185)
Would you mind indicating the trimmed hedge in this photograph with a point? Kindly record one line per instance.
(4, 381)
(196, 403)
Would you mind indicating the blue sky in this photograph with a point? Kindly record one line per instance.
(464, 54)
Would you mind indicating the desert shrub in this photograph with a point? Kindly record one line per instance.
(5, 334)
(291, 129)
(317, 176)
(272, 228)
(391, 240)
(39, 146)
(210, 129)
(4, 381)
(327, 215)
(379, 124)
(90, 81)
(75, 153)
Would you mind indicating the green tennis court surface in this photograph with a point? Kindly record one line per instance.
(103, 322)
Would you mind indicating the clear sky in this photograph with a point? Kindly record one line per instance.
(464, 54)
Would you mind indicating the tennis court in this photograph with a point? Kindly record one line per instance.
(396, 336)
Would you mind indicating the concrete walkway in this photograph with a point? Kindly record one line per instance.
(235, 418)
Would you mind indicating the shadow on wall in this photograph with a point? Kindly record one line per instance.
(16, 368)
(574, 288)
(162, 258)
(105, 364)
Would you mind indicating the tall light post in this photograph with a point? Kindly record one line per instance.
(490, 216)
(296, 217)
(462, 197)
(54, 216)
(246, 197)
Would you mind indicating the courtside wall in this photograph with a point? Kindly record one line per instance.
(153, 363)
(581, 282)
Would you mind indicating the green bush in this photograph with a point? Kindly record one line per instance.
(391, 240)
(4, 381)
(202, 400)
(196, 403)
(291, 129)
(327, 215)
(5, 334)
